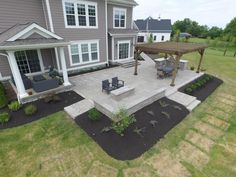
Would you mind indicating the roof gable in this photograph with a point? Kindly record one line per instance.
(31, 29)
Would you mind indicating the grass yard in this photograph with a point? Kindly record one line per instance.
(203, 145)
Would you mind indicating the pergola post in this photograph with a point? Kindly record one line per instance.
(177, 59)
(136, 63)
(201, 52)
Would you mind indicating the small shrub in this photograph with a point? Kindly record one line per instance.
(14, 106)
(94, 114)
(125, 121)
(3, 100)
(30, 110)
(52, 98)
(188, 90)
(2, 88)
(192, 68)
(4, 117)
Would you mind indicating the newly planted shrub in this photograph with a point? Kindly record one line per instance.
(14, 106)
(192, 68)
(94, 114)
(4, 117)
(189, 90)
(124, 121)
(30, 110)
(52, 97)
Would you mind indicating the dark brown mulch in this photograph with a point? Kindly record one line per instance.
(202, 93)
(132, 145)
(44, 109)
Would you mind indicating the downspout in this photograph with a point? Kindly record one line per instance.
(107, 34)
(49, 13)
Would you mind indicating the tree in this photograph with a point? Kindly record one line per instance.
(150, 39)
(215, 32)
(231, 28)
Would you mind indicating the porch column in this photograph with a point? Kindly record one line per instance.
(64, 69)
(177, 59)
(16, 75)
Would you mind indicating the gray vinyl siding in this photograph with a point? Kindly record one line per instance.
(110, 15)
(14, 12)
(116, 46)
(49, 59)
(5, 69)
(78, 34)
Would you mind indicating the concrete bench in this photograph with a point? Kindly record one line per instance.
(122, 92)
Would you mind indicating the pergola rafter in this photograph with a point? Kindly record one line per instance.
(171, 48)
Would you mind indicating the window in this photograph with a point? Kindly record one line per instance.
(84, 52)
(28, 61)
(70, 14)
(80, 14)
(140, 38)
(124, 49)
(162, 38)
(155, 38)
(119, 18)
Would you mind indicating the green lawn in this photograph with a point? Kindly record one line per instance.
(56, 146)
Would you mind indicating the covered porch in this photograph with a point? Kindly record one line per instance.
(30, 79)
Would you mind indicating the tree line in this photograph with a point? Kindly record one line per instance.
(203, 31)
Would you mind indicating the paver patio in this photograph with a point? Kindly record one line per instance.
(146, 85)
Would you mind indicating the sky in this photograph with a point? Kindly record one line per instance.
(205, 12)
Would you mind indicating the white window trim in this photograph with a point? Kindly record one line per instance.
(80, 52)
(120, 9)
(87, 3)
(118, 49)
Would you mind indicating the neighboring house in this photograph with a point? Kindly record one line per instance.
(160, 29)
(66, 34)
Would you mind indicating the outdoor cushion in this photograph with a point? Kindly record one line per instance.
(45, 85)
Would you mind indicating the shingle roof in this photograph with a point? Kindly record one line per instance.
(151, 24)
(12, 31)
(129, 2)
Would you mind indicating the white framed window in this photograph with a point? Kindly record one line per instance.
(83, 52)
(119, 17)
(80, 14)
(123, 50)
(162, 38)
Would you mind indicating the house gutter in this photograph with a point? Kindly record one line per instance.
(49, 15)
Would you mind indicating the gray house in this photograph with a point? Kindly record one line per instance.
(160, 29)
(66, 34)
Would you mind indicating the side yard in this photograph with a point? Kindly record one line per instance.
(202, 145)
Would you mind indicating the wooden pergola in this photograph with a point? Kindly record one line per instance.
(173, 49)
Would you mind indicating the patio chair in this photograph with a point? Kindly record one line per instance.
(117, 83)
(107, 86)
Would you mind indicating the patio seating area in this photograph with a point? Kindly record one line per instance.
(146, 87)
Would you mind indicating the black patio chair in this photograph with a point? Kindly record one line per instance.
(107, 86)
(117, 83)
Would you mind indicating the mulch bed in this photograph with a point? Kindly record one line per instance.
(132, 145)
(202, 93)
(44, 109)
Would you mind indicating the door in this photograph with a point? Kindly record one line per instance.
(123, 50)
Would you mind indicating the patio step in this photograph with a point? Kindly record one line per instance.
(128, 64)
(193, 105)
(181, 98)
(79, 108)
(133, 106)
